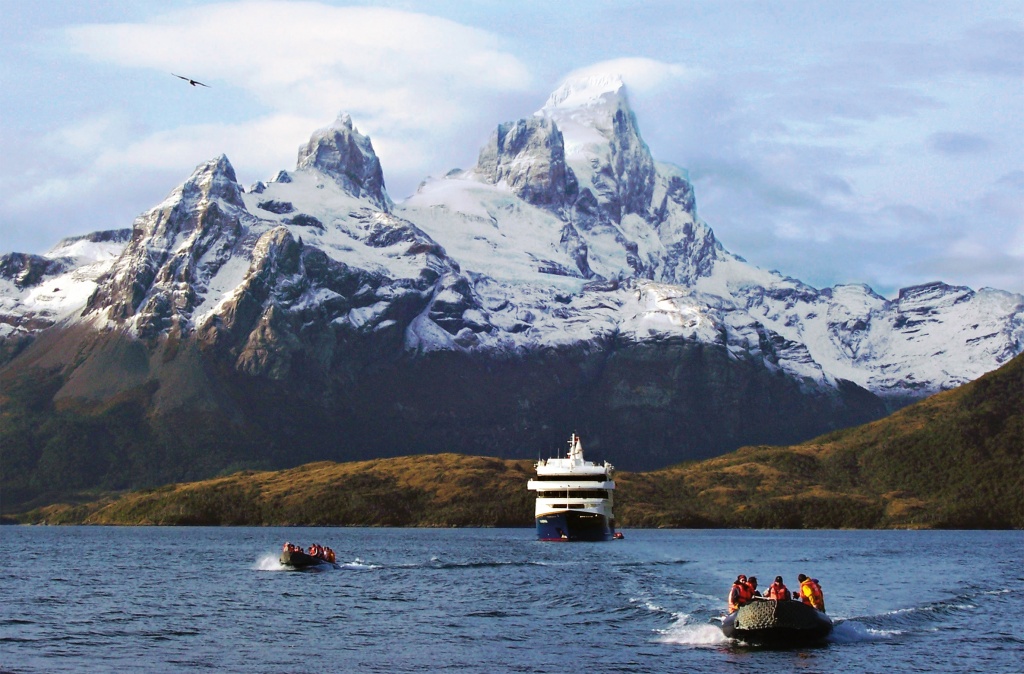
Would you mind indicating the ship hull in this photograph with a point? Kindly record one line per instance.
(574, 525)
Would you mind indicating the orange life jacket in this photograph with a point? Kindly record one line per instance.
(737, 596)
(778, 591)
(810, 593)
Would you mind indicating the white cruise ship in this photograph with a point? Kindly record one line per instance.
(574, 498)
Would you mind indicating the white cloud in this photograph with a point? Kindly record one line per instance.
(641, 75)
(316, 59)
(409, 80)
(838, 146)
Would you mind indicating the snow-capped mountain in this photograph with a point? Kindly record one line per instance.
(567, 268)
(37, 291)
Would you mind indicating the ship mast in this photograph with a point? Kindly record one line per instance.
(575, 448)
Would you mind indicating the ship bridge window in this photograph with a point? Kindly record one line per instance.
(574, 493)
(575, 477)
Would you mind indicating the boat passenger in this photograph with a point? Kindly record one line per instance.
(778, 590)
(330, 555)
(287, 547)
(810, 592)
(752, 584)
(739, 594)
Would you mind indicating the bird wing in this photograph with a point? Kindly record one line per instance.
(192, 81)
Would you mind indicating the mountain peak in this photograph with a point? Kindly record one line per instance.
(343, 122)
(587, 91)
(342, 153)
(214, 179)
(602, 141)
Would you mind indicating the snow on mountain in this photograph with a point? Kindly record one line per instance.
(566, 232)
(37, 291)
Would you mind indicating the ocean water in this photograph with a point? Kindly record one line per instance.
(97, 599)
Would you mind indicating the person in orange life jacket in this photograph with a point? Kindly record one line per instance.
(739, 593)
(752, 584)
(810, 592)
(778, 590)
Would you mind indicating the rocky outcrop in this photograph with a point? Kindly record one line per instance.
(157, 282)
(529, 156)
(609, 150)
(347, 157)
(25, 270)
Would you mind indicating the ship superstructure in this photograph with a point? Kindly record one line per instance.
(574, 497)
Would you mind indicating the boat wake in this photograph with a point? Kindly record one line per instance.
(269, 562)
(685, 632)
(926, 617)
(359, 565)
(852, 632)
(695, 635)
(438, 563)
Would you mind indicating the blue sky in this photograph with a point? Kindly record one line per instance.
(836, 142)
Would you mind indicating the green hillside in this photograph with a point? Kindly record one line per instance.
(955, 460)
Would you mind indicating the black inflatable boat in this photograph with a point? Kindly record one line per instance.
(300, 560)
(768, 622)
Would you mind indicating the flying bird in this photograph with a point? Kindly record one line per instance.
(192, 81)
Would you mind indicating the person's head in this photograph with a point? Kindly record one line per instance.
(801, 577)
(778, 579)
(741, 578)
(753, 581)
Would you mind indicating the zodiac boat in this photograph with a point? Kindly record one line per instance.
(300, 561)
(768, 622)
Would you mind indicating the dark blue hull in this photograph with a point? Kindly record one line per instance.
(574, 525)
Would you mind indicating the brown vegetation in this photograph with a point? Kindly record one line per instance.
(955, 460)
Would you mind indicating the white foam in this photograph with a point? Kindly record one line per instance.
(849, 631)
(699, 635)
(269, 562)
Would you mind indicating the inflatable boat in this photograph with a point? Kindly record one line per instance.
(768, 622)
(300, 560)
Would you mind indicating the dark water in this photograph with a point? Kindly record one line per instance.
(494, 600)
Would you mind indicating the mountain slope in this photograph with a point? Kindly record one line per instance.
(565, 281)
(955, 460)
